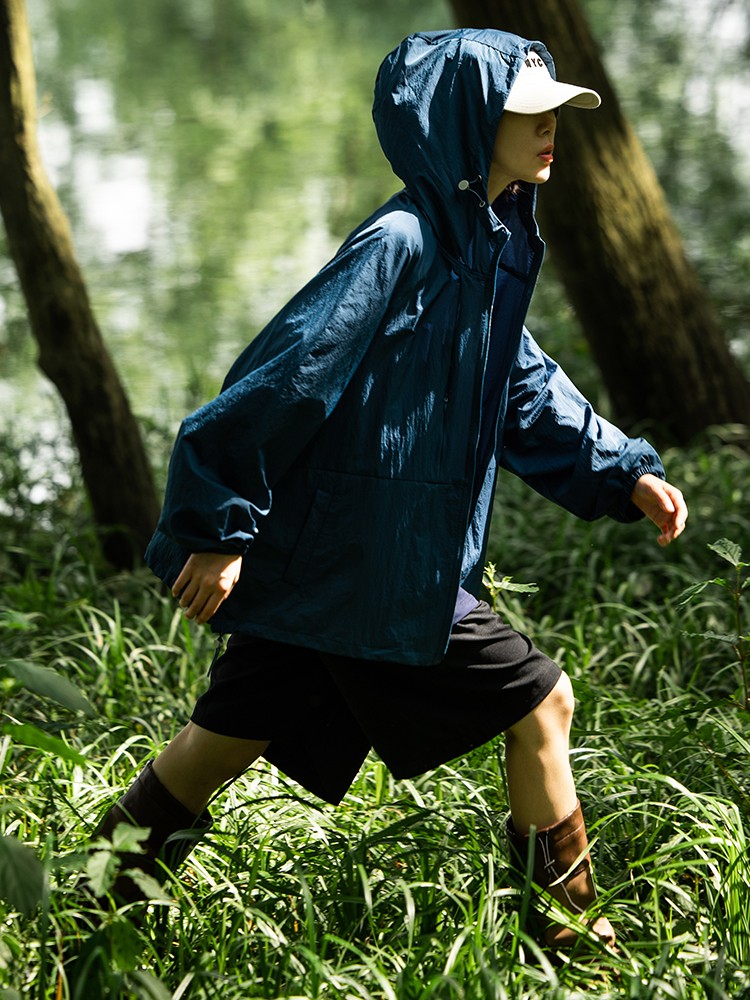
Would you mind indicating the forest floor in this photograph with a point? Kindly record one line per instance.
(404, 891)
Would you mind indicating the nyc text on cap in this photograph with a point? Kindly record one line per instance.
(535, 91)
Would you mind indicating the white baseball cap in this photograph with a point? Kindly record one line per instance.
(535, 91)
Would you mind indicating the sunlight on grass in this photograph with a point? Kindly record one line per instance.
(404, 891)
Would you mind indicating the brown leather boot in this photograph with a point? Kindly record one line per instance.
(556, 849)
(174, 831)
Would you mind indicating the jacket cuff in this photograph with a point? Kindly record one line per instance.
(626, 510)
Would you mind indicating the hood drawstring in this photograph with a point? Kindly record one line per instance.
(465, 185)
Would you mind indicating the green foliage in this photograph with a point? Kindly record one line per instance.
(103, 861)
(239, 139)
(496, 586)
(22, 878)
(404, 890)
(734, 592)
(32, 736)
(47, 682)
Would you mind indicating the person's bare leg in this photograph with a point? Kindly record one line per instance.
(198, 762)
(542, 793)
(540, 782)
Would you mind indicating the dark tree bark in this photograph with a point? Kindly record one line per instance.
(650, 326)
(71, 351)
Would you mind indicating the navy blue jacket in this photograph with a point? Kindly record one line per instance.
(340, 457)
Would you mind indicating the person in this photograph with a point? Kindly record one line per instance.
(330, 508)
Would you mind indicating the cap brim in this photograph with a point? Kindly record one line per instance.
(532, 100)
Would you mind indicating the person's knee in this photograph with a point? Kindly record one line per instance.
(550, 719)
(561, 702)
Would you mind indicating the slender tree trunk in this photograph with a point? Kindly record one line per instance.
(71, 351)
(651, 329)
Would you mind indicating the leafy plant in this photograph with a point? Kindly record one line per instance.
(499, 589)
(23, 880)
(22, 876)
(734, 587)
(403, 891)
(103, 862)
(47, 683)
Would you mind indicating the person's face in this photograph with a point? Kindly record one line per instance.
(523, 150)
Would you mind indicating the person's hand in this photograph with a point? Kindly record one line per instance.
(206, 580)
(663, 504)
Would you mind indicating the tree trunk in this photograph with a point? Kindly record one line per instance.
(651, 329)
(71, 351)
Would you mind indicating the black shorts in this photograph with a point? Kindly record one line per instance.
(323, 713)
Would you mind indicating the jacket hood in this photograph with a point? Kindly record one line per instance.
(439, 97)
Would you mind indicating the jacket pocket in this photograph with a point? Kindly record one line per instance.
(377, 552)
(303, 550)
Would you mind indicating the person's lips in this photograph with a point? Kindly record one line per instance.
(546, 154)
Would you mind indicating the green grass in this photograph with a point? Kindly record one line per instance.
(404, 891)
